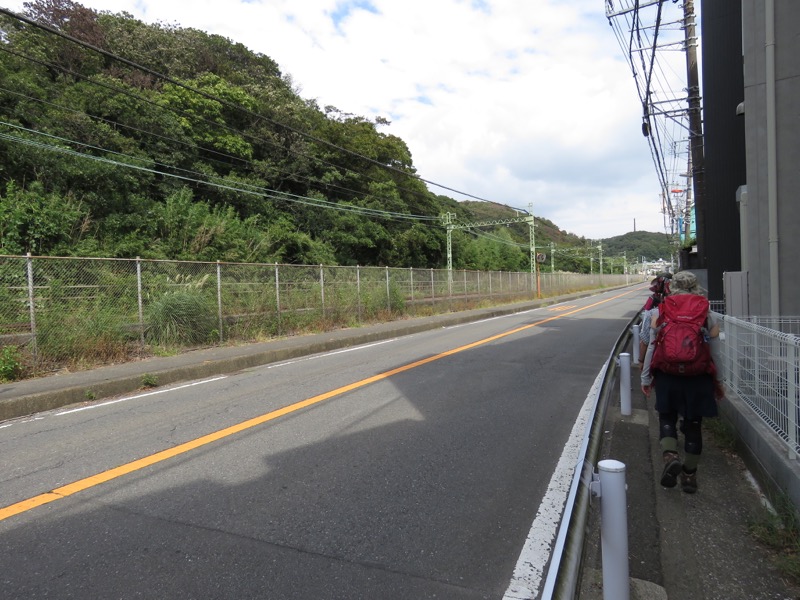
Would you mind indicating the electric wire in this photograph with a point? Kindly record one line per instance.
(185, 143)
(240, 187)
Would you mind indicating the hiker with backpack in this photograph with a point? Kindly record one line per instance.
(679, 366)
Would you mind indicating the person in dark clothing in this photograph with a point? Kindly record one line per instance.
(689, 398)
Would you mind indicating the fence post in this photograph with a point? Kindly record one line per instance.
(278, 297)
(322, 289)
(140, 300)
(433, 291)
(32, 309)
(614, 530)
(791, 396)
(219, 300)
(465, 283)
(358, 291)
(388, 294)
(411, 283)
(625, 383)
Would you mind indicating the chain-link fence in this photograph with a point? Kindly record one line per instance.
(74, 312)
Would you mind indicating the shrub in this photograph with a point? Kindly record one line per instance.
(180, 317)
(10, 364)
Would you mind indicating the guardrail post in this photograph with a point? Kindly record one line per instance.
(614, 530)
(625, 383)
(636, 357)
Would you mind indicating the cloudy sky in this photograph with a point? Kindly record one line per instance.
(515, 101)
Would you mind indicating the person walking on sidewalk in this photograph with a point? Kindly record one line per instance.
(687, 393)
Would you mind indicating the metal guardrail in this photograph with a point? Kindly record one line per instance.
(564, 572)
(757, 357)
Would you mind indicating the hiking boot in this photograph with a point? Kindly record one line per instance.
(689, 482)
(672, 467)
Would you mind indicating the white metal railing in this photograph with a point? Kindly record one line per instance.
(758, 360)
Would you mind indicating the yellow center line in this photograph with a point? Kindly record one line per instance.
(147, 461)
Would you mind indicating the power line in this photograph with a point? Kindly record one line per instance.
(241, 188)
(186, 143)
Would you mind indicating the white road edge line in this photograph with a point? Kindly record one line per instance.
(528, 574)
(153, 393)
(331, 353)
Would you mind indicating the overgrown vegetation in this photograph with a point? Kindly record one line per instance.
(10, 364)
(780, 530)
(181, 318)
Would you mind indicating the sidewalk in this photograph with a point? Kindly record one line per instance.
(684, 546)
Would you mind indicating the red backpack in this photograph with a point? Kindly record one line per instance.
(681, 348)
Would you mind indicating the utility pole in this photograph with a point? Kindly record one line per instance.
(552, 260)
(532, 239)
(600, 247)
(687, 211)
(447, 218)
(695, 128)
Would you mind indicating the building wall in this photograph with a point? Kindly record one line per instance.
(724, 138)
(756, 234)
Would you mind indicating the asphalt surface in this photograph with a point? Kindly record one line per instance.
(680, 545)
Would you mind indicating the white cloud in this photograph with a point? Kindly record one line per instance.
(515, 101)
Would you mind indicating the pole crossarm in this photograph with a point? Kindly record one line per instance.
(526, 219)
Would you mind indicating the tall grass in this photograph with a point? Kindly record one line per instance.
(180, 318)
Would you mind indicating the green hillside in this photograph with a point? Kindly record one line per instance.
(123, 139)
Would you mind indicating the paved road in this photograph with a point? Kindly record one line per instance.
(408, 468)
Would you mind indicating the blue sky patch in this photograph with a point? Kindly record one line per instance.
(345, 9)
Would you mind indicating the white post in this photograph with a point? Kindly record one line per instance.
(32, 310)
(625, 383)
(322, 288)
(388, 293)
(139, 300)
(614, 530)
(219, 300)
(358, 290)
(636, 357)
(791, 396)
(278, 297)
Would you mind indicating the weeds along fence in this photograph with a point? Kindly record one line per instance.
(74, 311)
